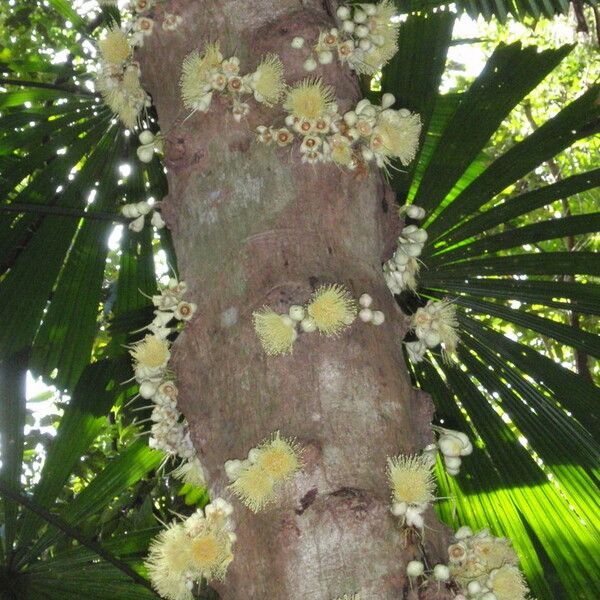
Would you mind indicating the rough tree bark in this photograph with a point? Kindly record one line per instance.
(254, 226)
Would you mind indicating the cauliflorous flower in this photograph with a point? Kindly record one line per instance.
(436, 323)
(309, 99)
(167, 562)
(411, 479)
(151, 352)
(185, 552)
(508, 583)
(196, 75)
(267, 81)
(192, 472)
(123, 93)
(171, 21)
(115, 48)
(278, 457)
(382, 34)
(341, 151)
(396, 135)
(276, 333)
(332, 308)
(254, 487)
(273, 462)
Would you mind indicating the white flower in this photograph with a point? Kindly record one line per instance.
(142, 5)
(185, 311)
(171, 21)
(192, 472)
(144, 25)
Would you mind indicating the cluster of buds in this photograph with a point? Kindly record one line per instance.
(434, 324)
(486, 567)
(366, 39)
(149, 144)
(366, 313)
(186, 552)
(169, 432)
(330, 310)
(415, 570)
(118, 78)
(452, 445)
(137, 211)
(208, 73)
(369, 133)
(400, 271)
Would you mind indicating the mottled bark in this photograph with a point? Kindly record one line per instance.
(254, 226)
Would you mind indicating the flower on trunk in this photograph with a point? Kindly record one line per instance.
(474, 557)
(278, 457)
(309, 99)
(151, 353)
(196, 76)
(276, 333)
(192, 472)
(332, 308)
(187, 552)
(508, 583)
(383, 37)
(396, 135)
(254, 488)
(122, 92)
(185, 311)
(256, 481)
(267, 81)
(411, 480)
(142, 5)
(171, 21)
(115, 48)
(435, 323)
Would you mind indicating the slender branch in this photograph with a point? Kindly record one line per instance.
(73, 533)
(61, 211)
(48, 86)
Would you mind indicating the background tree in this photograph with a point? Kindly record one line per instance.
(483, 248)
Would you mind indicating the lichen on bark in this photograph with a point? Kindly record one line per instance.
(253, 226)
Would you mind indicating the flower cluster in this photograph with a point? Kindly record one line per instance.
(367, 314)
(257, 479)
(400, 272)
(366, 40)
(416, 569)
(369, 133)
(142, 24)
(452, 445)
(188, 551)
(204, 74)
(486, 566)
(138, 211)
(330, 310)
(149, 144)
(118, 78)
(412, 483)
(150, 357)
(434, 324)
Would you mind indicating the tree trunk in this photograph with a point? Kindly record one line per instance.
(253, 226)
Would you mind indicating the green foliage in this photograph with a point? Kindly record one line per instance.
(534, 471)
